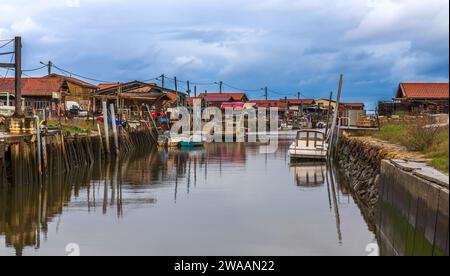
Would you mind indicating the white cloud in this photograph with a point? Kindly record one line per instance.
(280, 43)
(188, 61)
(27, 25)
(73, 3)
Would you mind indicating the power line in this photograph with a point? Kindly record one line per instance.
(8, 69)
(80, 76)
(6, 44)
(241, 89)
(65, 72)
(35, 69)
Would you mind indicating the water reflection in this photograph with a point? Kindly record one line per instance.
(310, 175)
(243, 201)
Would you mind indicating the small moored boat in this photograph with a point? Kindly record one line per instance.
(190, 143)
(309, 144)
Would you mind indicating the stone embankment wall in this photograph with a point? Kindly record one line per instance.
(406, 200)
(360, 162)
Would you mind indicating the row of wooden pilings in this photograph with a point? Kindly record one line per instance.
(20, 162)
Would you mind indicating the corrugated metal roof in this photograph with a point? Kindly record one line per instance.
(424, 90)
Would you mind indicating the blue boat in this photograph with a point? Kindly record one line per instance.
(191, 144)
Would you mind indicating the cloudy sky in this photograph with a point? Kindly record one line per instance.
(287, 45)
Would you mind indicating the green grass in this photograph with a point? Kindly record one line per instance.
(432, 142)
(439, 152)
(73, 127)
(391, 132)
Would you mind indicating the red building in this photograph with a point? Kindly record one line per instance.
(418, 98)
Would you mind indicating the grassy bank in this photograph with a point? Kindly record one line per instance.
(432, 142)
(74, 127)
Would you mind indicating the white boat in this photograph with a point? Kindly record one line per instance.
(309, 144)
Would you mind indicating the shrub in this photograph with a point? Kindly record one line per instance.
(420, 138)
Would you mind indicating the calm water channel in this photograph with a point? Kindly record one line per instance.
(225, 199)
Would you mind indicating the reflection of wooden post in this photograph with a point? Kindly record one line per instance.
(105, 125)
(101, 139)
(114, 128)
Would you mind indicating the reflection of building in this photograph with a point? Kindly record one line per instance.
(26, 210)
(309, 175)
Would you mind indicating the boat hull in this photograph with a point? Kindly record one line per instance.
(312, 154)
(191, 144)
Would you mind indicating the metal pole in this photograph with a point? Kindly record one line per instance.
(18, 76)
(220, 86)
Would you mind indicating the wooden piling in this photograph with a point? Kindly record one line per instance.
(105, 125)
(114, 128)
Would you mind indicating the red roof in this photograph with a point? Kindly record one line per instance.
(106, 85)
(73, 80)
(217, 99)
(33, 86)
(354, 104)
(423, 90)
(232, 105)
(237, 97)
(270, 103)
(301, 101)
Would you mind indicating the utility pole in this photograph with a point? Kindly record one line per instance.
(17, 65)
(176, 88)
(18, 76)
(50, 64)
(162, 80)
(49, 67)
(220, 86)
(189, 89)
(266, 94)
(298, 95)
(195, 91)
(287, 105)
